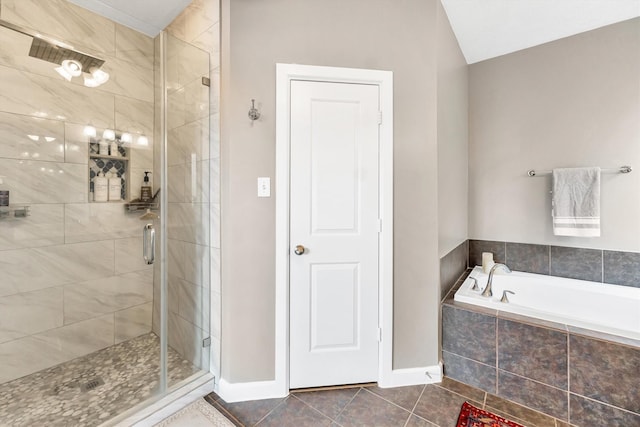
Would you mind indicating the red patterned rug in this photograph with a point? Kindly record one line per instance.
(470, 416)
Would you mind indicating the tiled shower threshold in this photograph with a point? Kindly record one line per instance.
(92, 389)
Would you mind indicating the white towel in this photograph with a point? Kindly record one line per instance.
(576, 202)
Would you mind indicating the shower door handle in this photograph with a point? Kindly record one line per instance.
(148, 243)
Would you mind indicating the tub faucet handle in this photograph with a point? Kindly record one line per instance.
(504, 295)
(475, 284)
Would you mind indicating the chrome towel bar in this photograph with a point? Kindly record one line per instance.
(621, 169)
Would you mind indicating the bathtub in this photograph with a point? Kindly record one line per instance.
(600, 307)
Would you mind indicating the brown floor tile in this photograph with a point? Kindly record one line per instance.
(514, 410)
(512, 418)
(440, 406)
(405, 397)
(329, 402)
(367, 409)
(294, 413)
(249, 413)
(463, 389)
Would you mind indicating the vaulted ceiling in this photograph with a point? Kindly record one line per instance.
(484, 28)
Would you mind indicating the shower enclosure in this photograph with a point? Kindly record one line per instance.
(96, 315)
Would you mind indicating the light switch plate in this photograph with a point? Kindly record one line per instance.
(264, 186)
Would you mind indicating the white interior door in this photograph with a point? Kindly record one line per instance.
(334, 181)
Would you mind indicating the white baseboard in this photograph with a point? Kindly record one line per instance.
(412, 376)
(240, 392)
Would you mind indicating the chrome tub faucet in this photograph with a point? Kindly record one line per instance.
(487, 290)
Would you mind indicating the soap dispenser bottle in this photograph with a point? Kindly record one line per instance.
(100, 188)
(115, 187)
(145, 190)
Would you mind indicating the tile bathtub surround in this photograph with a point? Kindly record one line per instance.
(469, 334)
(469, 371)
(576, 263)
(528, 258)
(533, 352)
(477, 247)
(52, 397)
(614, 267)
(542, 367)
(587, 412)
(622, 268)
(605, 372)
(452, 265)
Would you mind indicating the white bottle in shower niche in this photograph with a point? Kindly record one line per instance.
(100, 188)
(115, 187)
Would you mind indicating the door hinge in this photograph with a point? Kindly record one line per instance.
(379, 117)
(206, 81)
(379, 225)
(206, 342)
(379, 334)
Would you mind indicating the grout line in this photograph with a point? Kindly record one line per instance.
(312, 408)
(532, 380)
(387, 400)
(505, 254)
(272, 410)
(415, 405)
(348, 403)
(605, 404)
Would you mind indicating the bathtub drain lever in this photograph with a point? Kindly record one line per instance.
(504, 295)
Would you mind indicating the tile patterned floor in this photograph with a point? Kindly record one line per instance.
(53, 397)
(414, 406)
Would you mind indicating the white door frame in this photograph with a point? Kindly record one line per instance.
(384, 80)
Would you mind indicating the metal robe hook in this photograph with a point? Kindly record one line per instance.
(254, 114)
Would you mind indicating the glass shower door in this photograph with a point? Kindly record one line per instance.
(188, 242)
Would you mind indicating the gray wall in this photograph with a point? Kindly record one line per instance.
(380, 34)
(453, 139)
(572, 102)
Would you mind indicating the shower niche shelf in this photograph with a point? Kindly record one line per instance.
(117, 165)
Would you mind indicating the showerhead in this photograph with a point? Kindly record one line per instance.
(54, 53)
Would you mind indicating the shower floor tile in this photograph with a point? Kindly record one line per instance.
(92, 389)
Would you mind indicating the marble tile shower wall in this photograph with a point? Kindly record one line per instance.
(194, 183)
(72, 278)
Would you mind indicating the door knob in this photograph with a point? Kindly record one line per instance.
(299, 250)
